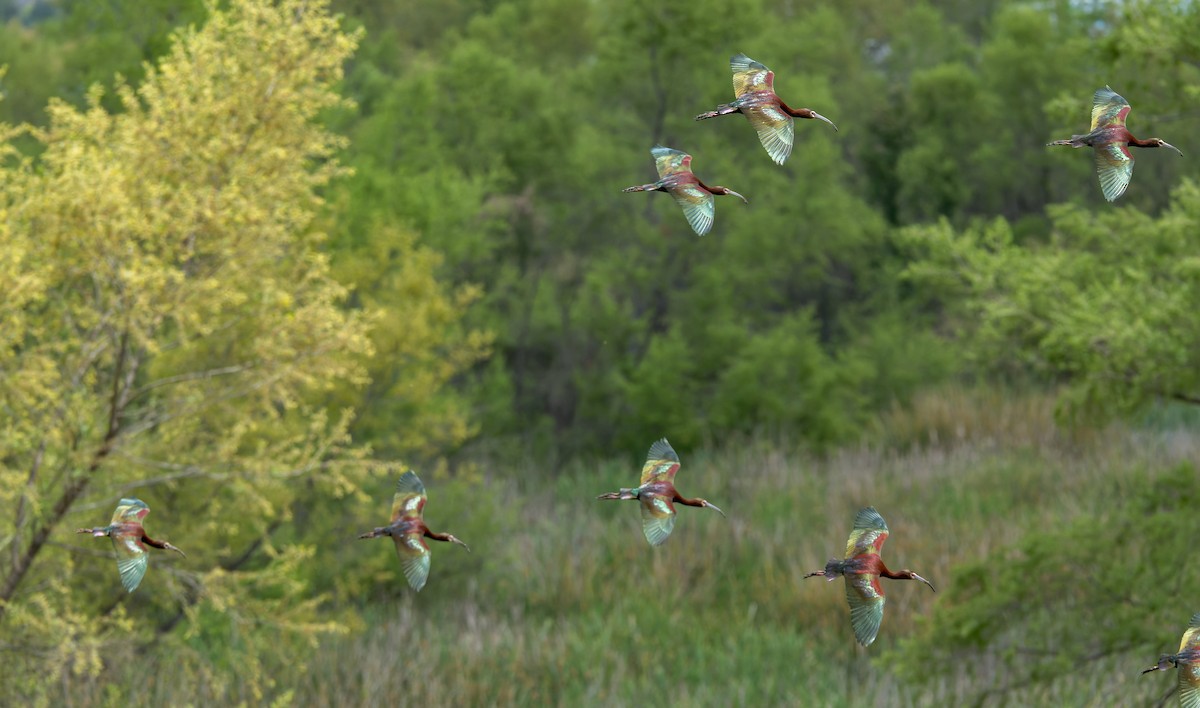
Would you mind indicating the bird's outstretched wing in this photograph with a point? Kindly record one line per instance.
(409, 500)
(865, 595)
(669, 160)
(1191, 637)
(414, 558)
(1189, 669)
(1114, 166)
(698, 207)
(658, 518)
(1108, 108)
(750, 76)
(870, 531)
(132, 558)
(661, 463)
(776, 130)
(130, 510)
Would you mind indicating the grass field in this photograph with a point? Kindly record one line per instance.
(562, 601)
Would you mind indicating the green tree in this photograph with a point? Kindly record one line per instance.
(174, 331)
(1104, 306)
(1058, 601)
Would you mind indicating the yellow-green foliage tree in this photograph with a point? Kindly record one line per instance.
(172, 331)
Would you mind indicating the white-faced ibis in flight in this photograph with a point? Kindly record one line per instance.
(657, 493)
(675, 178)
(1188, 662)
(754, 87)
(863, 567)
(130, 541)
(408, 530)
(1111, 141)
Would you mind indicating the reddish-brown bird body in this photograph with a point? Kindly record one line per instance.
(862, 567)
(1110, 135)
(667, 490)
(679, 182)
(408, 530)
(657, 493)
(129, 540)
(758, 100)
(866, 565)
(1111, 140)
(754, 88)
(675, 177)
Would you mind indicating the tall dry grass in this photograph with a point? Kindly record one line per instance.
(564, 603)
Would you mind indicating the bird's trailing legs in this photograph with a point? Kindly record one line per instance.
(832, 569)
(1166, 661)
(723, 109)
(624, 493)
(1073, 142)
(642, 188)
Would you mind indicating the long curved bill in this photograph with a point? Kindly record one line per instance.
(745, 200)
(1169, 145)
(712, 506)
(931, 587)
(818, 116)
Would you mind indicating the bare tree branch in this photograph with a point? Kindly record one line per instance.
(75, 487)
(191, 376)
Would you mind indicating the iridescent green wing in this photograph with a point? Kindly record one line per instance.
(749, 76)
(776, 130)
(409, 499)
(669, 161)
(132, 558)
(1191, 637)
(1108, 108)
(870, 531)
(658, 517)
(1114, 165)
(414, 559)
(661, 463)
(698, 206)
(130, 510)
(1189, 669)
(865, 595)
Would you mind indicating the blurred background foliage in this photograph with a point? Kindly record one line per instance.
(927, 311)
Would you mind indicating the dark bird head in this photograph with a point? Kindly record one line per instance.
(454, 539)
(908, 574)
(810, 113)
(1159, 142)
(727, 191)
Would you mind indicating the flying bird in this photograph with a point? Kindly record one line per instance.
(1111, 140)
(754, 87)
(693, 196)
(657, 493)
(130, 541)
(862, 568)
(1188, 662)
(408, 530)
